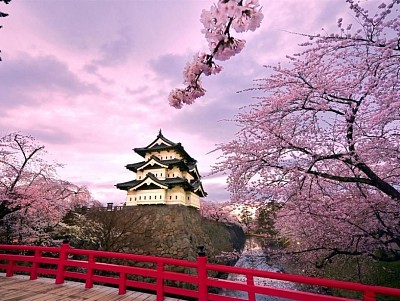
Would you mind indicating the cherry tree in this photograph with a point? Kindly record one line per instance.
(32, 198)
(218, 211)
(324, 140)
(238, 15)
(79, 229)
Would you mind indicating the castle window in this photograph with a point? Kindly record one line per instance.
(188, 198)
(173, 175)
(170, 157)
(135, 198)
(160, 197)
(130, 199)
(144, 197)
(170, 197)
(150, 197)
(140, 198)
(176, 197)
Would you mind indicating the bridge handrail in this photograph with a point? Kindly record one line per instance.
(32, 260)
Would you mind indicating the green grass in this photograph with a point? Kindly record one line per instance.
(365, 271)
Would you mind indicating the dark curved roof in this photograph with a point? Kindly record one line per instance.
(170, 182)
(127, 185)
(198, 188)
(184, 166)
(166, 144)
(135, 166)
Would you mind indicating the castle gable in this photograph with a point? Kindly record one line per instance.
(150, 179)
(154, 162)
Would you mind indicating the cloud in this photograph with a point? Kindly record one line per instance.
(216, 191)
(49, 135)
(21, 78)
(166, 66)
(117, 51)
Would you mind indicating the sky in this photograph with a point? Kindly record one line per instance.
(90, 80)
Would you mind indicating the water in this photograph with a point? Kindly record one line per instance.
(253, 257)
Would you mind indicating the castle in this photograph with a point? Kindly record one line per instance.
(168, 175)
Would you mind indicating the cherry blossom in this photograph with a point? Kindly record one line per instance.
(32, 198)
(218, 211)
(241, 16)
(324, 141)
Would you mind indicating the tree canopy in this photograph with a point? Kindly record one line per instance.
(32, 197)
(324, 140)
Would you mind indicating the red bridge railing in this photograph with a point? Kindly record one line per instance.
(155, 274)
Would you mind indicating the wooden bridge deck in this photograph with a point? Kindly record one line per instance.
(20, 288)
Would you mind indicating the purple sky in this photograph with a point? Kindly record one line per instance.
(90, 79)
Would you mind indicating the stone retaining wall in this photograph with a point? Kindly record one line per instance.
(176, 231)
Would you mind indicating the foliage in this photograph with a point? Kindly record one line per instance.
(32, 199)
(218, 211)
(246, 217)
(218, 21)
(363, 270)
(80, 231)
(117, 230)
(100, 228)
(266, 218)
(324, 141)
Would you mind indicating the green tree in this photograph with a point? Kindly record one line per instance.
(246, 218)
(265, 219)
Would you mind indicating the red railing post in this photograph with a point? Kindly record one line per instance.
(89, 271)
(62, 261)
(10, 268)
(369, 296)
(202, 273)
(35, 265)
(122, 283)
(160, 281)
(250, 285)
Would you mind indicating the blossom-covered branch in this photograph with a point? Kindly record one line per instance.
(217, 23)
(32, 197)
(324, 141)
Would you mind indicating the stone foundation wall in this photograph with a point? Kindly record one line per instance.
(176, 231)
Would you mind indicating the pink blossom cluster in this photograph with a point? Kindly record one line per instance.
(33, 197)
(202, 64)
(324, 141)
(218, 211)
(241, 16)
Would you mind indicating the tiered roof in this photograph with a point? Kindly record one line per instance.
(155, 162)
(161, 143)
(186, 164)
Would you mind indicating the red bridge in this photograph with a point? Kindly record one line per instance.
(157, 275)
